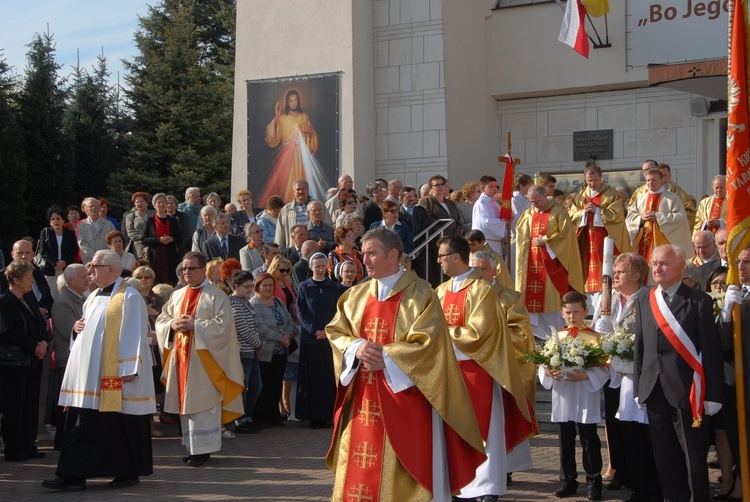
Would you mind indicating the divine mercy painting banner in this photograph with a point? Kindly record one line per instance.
(292, 133)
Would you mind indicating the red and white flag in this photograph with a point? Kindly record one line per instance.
(573, 30)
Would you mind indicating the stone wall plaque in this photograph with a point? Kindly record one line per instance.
(596, 144)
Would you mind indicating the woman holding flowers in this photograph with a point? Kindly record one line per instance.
(629, 274)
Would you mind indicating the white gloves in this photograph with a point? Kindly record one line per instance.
(711, 408)
(732, 296)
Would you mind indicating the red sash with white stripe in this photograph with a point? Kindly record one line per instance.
(684, 346)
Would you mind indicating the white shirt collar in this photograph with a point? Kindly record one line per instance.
(386, 284)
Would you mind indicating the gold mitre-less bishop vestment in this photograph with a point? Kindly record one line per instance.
(710, 208)
(671, 186)
(560, 236)
(487, 342)
(422, 349)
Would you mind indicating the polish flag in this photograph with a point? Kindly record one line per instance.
(573, 31)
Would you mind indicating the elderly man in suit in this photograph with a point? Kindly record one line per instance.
(92, 231)
(677, 374)
(224, 244)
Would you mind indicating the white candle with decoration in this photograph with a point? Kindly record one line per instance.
(607, 265)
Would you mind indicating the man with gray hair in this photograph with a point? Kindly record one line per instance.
(108, 386)
(190, 209)
(678, 374)
(223, 244)
(66, 310)
(295, 213)
(301, 269)
(706, 257)
(712, 211)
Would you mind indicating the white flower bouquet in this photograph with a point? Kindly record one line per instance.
(618, 346)
(566, 354)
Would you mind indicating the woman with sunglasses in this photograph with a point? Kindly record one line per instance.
(348, 203)
(281, 270)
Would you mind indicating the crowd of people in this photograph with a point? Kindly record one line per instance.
(237, 319)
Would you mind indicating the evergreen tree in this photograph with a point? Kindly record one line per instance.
(89, 125)
(12, 164)
(181, 94)
(42, 113)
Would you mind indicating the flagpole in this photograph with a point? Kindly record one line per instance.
(507, 225)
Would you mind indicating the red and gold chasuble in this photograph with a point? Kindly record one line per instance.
(478, 381)
(540, 264)
(651, 235)
(715, 212)
(591, 241)
(183, 342)
(379, 412)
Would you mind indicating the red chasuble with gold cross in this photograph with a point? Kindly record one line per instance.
(540, 265)
(478, 381)
(591, 242)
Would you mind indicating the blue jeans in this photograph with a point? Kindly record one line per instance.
(253, 385)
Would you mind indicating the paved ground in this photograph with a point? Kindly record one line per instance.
(278, 464)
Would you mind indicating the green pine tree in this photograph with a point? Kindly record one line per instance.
(41, 119)
(12, 163)
(180, 96)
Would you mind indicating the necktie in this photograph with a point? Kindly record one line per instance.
(666, 296)
(745, 291)
(224, 248)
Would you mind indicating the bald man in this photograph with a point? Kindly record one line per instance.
(23, 250)
(706, 257)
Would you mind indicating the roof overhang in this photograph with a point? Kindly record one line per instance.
(707, 78)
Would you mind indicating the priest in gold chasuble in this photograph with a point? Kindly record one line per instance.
(656, 217)
(548, 261)
(597, 212)
(488, 365)
(403, 425)
(712, 211)
(203, 374)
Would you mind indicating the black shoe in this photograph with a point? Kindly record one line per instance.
(509, 479)
(64, 485)
(124, 482)
(489, 498)
(198, 460)
(595, 492)
(568, 488)
(37, 454)
(16, 458)
(614, 485)
(187, 459)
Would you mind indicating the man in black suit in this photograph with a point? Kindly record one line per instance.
(294, 252)
(418, 219)
(672, 317)
(23, 250)
(301, 270)
(224, 244)
(706, 257)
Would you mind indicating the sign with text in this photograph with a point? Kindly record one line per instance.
(671, 31)
(592, 145)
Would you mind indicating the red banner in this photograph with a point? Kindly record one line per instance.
(738, 140)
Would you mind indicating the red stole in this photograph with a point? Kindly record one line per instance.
(378, 411)
(539, 265)
(478, 381)
(646, 244)
(183, 341)
(715, 212)
(684, 346)
(591, 241)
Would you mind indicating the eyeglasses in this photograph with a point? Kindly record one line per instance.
(438, 185)
(257, 232)
(441, 256)
(718, 283)
(351, 203)
(190, 269)
(97, 265)
(284, 270)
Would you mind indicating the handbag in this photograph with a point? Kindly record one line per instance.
(13, 358)
(293, 346)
